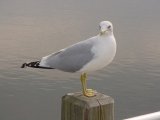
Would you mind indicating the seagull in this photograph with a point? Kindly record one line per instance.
(86, 56)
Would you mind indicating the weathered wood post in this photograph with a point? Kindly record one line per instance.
(75, 106)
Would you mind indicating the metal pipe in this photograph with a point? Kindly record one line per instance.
(151, 116)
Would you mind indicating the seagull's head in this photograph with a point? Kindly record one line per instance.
(106, 27)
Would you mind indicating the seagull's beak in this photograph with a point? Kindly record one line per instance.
(103, 30)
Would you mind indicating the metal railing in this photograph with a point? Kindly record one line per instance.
(151, 116)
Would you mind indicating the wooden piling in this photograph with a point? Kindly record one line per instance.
(75, 106)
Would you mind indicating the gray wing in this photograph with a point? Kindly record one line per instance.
(72, 58)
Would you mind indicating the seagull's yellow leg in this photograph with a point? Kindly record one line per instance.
(86, 92)
(83, 84)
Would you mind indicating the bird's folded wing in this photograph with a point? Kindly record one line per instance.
(70, 59)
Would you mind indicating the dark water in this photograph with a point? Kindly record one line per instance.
(30, 29)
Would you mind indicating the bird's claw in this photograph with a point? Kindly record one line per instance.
(89, 93)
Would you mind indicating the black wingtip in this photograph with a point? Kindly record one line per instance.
(34, 65)
(24, 65)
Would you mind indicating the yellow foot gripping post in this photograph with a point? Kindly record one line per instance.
(86, 92)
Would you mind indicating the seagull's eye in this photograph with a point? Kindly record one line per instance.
(109, 27)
